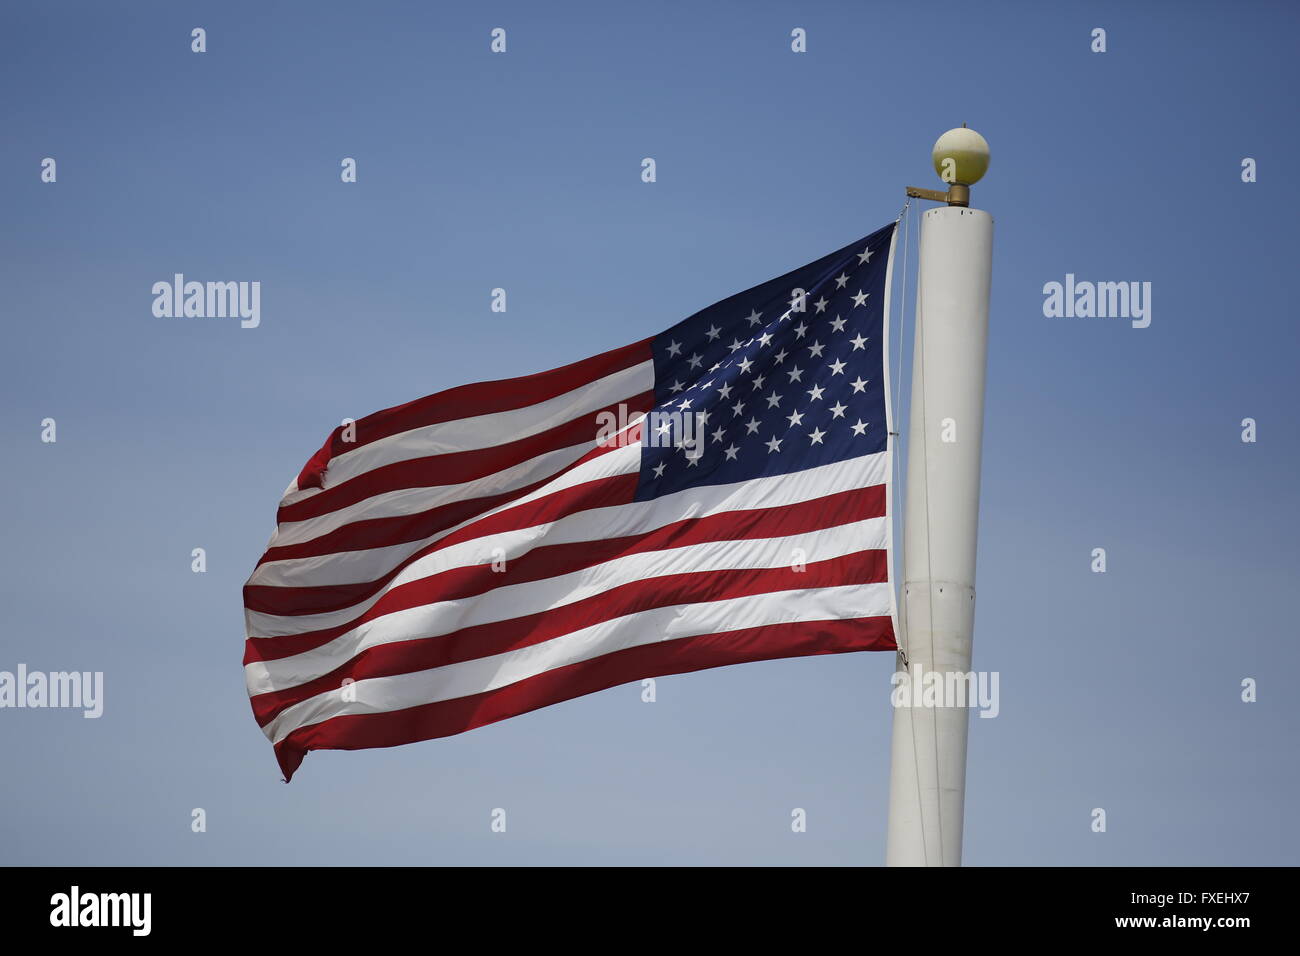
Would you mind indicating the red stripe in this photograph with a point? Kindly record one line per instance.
(547, 561)
(293, 601)
(466, 401)
(399, 529)
(444, 718)
(498, 637)
(453, 468)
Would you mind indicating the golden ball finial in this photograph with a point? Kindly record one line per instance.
(961, 156)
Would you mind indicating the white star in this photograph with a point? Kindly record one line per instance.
(837, 410)
(754, 317)
(692, 460)
(758, 381)
(859, 385)
(865, 256)
(694, 361)
(737, 408)
(659, 469)
(718, 434)
(816, 349)
(800, 330)
(744, 365)
(724, 392)
(663, 429)
(703, 417)
(837, 325)
(860, 428)
(730, 452)
(773, 400)
(685, 403)
(795, 374)
(674, 348)
(796, 418)
(713, 333)
(816, 435)
(676, 387)
(861, 298)
(774, 445)
(736, 345)
(716, 366)
(816, 393)
(858, 342)
(765, 338)
(779, 357)
(841, 280)
(751, 426)
(837, 367)
(821, 304)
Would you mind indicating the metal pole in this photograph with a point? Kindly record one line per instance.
(946, 420)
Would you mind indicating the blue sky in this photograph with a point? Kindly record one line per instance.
(522, 171)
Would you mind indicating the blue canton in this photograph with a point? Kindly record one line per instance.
(786, 376)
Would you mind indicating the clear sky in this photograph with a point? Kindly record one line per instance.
(522, 170)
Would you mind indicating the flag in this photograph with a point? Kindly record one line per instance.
(715, 494)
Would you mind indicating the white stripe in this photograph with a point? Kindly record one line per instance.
(352, 567)
(385, 694)
(532, 597)
(496, 428)
(293, 494)
(638, 517)
(409, 501)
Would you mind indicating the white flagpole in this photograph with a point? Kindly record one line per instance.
(927, 787)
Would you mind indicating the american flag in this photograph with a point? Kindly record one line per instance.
(716, 494)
